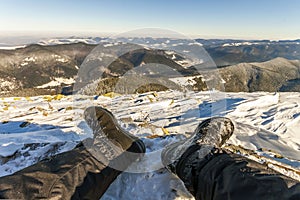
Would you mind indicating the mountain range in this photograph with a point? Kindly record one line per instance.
(247, 66)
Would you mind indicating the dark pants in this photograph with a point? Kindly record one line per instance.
(70, 175)
(78, 175)
(230, 176)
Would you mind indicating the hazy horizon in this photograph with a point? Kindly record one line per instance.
(19, 38)
(232, 19)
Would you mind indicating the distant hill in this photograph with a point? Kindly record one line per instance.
(278, 74)
(36, 65)
(231, 52)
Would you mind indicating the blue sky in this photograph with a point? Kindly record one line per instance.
(255, 19)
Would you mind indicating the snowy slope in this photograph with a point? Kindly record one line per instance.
(33, 128)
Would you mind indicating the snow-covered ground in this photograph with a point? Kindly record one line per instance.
(267, 124)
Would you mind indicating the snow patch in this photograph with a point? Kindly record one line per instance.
(239, 44)
(12, 47)
(57, 81)
(59, 58)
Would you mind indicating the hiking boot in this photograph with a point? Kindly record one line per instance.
(209, 136)
(110, 139)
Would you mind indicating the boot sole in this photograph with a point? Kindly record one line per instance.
(199, 137)
(111, 128)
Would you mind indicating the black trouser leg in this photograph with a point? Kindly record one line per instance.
(70, 175)
(231, 176)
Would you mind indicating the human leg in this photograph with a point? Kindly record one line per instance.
(82, 173)
(212, 173)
